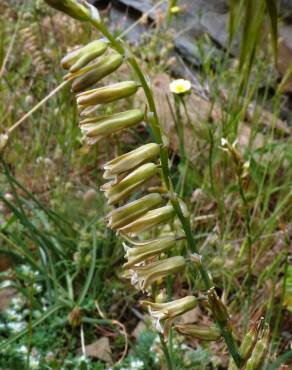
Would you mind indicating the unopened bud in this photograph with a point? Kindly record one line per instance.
(117, 192)
(202, 332)
(77, 59)
(107, 94)
(259, 351)
(95, 72)
(78, 9)
(94, 129)
(149, 220)
(148, 249)
(143, 276)
(124, 215)
(128, 161)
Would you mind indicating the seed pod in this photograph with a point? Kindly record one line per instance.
(259, 351)
(202, 332)
(106, 125)
(117, 192)
(165, 313)
(143, 276)
(217, 307)
(77, 59)
(96, 72)
(3, 141)
(149, 220)
(124, 215)
(131, 160)
(148, 249)
(75, 9)
(107, 94)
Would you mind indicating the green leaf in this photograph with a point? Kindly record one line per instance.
(273, 15)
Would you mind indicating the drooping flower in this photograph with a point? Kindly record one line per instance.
(116, 192)
(147, 249)
(130, 160)
(96, 128)
(78, 58)
(152, 218)
(124, 215)
(165, 313)
(143, 276)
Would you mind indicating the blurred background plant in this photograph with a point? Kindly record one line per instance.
(61, 267)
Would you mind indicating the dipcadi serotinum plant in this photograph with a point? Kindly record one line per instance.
(146, 264)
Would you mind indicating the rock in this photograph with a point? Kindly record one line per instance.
(100, 349)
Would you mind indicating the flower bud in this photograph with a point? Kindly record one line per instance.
(148, 249)
(78, 9)
(107, 94)
(202, 332)
(78, 58)
(165, 313)
(117, 192)
(217, 307)
(96, 128)
(149, 220)
(3, 141)
(143, 276)
(248, 342)
(124, 215)
(128, 161)
(259, 351)
(91, 74)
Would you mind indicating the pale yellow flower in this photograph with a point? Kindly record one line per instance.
(180, 86)
(175, 10)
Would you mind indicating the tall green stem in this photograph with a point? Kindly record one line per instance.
(156, 129)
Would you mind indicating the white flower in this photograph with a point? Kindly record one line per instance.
(22, 349)
(34, 362)
(180, 86)
(16, 327)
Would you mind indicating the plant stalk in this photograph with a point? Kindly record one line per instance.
(156, 129)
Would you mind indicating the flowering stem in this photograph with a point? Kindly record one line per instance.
(166, 352)
(185, 221)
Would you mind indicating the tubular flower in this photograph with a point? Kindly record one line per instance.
(117, 192)
(131, 160)
(107, 94)
(203, 332)
(165, 313)
(78, 9)
(78, 58)
(87, 76)
(149, 220)
(96, 128)
(148, 249)
(143, 276)
(124, 215)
